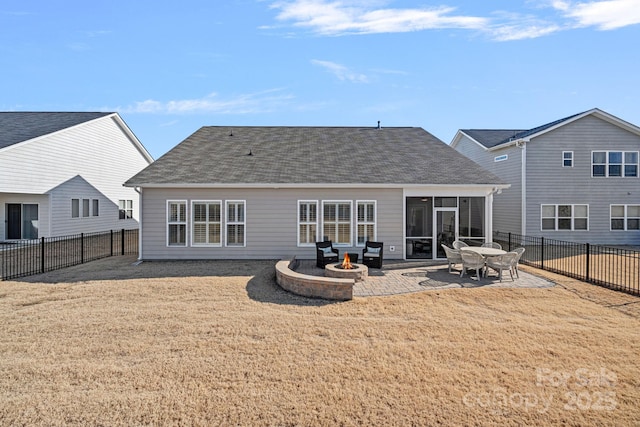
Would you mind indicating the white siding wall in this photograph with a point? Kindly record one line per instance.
(271, 221)
(99, 151)
(549, 183)
(78, 188)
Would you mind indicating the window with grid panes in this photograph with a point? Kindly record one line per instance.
(176, 223)
(565, 217)
(625, 217)
(206, 225)
(336, 222)
(365, 222)
(307, 223)
(235, 223)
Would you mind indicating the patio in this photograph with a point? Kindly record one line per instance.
(402, 277)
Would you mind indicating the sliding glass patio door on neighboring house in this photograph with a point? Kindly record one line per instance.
(22, 221)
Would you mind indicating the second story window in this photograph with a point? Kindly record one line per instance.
(567, 159)
(614, 164)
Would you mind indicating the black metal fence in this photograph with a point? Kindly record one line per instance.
(614, 268)
(25, 258)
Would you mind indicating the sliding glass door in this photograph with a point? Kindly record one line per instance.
(22, 221)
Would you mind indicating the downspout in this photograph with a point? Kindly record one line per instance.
(522, 144)
(139, 191)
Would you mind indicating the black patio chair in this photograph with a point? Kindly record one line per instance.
(372, 254)
(325, 253)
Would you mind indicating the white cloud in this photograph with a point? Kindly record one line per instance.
(514, 26)
(351, 17)
(343, 17)
(605, 15)
(341, 72)
(259, 102)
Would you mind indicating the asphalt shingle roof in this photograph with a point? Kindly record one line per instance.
(494, 137)
(16, 127)
(219, 155)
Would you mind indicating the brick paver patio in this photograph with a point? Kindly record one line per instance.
(401, 277)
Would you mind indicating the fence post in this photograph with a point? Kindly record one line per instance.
(542, 253)
(81, 248)
(588, 260)
(111, 248)
(123, 241)
(509, 241)
(42, 263)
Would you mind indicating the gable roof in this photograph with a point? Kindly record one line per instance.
(490, 138)
(17, 127)
(239, 155)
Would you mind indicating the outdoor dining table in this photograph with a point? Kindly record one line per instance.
(484, 251)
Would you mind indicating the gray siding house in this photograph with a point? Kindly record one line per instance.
(573, 179)
(62, 172)
(272, 192)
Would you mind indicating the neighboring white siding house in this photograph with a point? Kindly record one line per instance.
(62, 173)
(272, 192)
(574, 179)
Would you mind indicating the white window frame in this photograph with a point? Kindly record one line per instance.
(622, 165)
(337, 222)
(86, 208)
(624, 218)
(229, 222)
(77, 213)
(207, 223)
(373, 223)
(95, 207)
(308, 223)
(570, 159)
(557, 217)
(178, 222)
(126, 206)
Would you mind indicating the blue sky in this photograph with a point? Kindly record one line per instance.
(170, 67)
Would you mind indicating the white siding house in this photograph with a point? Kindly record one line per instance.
(272, 192)
(62, 173)
(575, 179)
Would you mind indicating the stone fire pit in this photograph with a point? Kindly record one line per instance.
(359, 272)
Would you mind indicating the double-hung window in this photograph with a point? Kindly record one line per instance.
(85, 207)
(236, 223)
(614, 163)
(567, 159)
(125, 209)
(365, 222)
(625, 217)
(307, 222)
(176, 223)
(206, 223)
(565, 217)
(336, 222)
(95, 209)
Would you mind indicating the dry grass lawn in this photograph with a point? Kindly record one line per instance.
(218, 343)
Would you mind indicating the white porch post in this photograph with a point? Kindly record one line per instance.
(488, 218)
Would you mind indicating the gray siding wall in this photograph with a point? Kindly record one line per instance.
(550, 183)
(271, 221)
(507, 206)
